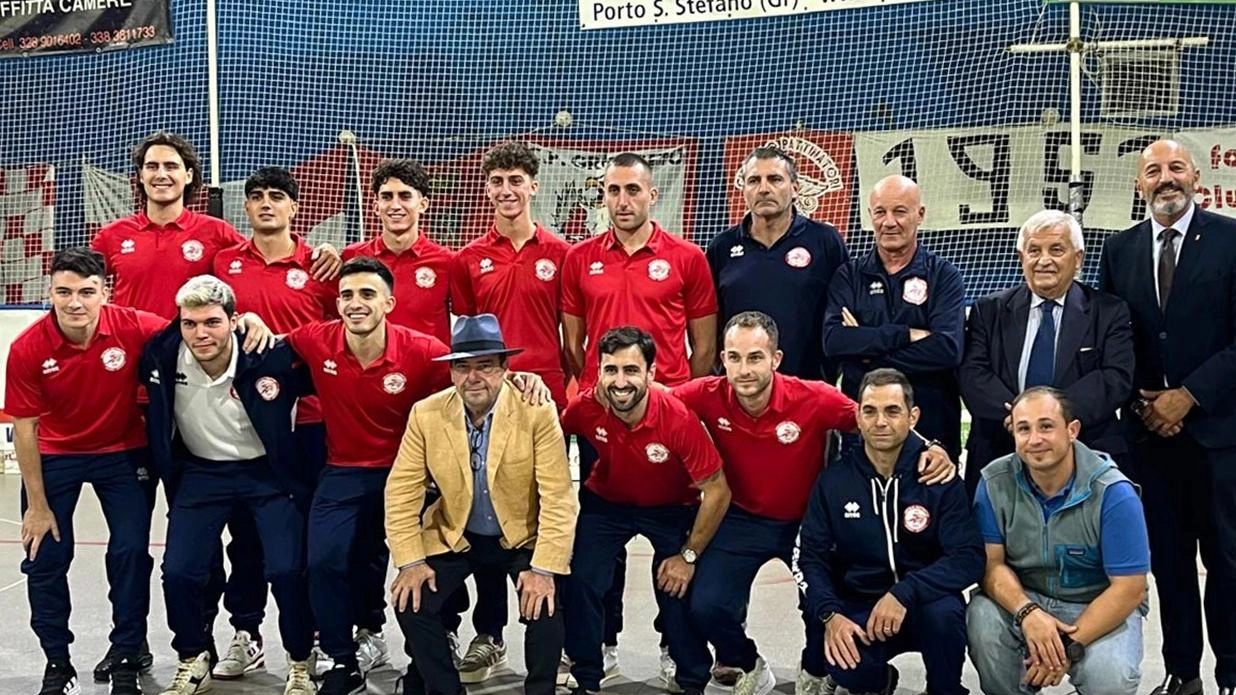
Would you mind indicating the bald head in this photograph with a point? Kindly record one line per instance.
(896, 207)
(1167, 179)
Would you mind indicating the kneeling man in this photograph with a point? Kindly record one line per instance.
(883, 558)
(1067, 557)
(506, 504)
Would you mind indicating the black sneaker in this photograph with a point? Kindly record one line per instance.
(124, 677)
(342, 679)
(891, 687)
(410, 683)
(59, 678)
(103, 670)
(1174, 685)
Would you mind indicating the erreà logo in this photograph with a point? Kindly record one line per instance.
(851, 510)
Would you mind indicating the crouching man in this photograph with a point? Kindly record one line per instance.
(882, 558)
(1067, 557)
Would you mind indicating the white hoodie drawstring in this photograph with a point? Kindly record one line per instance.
(890, 531)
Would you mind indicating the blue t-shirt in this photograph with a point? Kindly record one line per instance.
(1122, 536)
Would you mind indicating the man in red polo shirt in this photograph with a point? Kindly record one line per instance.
(772, 432)
(513, 272)
(271, 275)
(63, 375)
(657, 475)
(421, 265)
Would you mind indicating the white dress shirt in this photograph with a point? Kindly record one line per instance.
(211, 419)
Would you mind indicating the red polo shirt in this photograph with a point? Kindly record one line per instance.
(72, 390)
(771, 461)
(366, 408)
(150, 262)
(282, 292)
(422, 282)
(654, 464)
(524, 290)
(659, 288)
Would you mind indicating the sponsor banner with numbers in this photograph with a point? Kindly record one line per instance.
(997, 177)
(824, 163)
(58, 26)
(607, 14)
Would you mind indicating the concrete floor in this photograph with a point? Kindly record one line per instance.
(772, 614)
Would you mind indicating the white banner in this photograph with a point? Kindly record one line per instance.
(571, 199)
(1215, 151)
(610, 14)
(997, 177)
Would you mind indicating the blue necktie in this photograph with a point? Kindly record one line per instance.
(1042, 366)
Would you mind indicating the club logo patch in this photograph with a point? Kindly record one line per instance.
(798, 257)
(546, 270)
(426, 278)
(657, 453)
(394, 382)
(659, 270)
(916, 518)
(296, 278)
(268, 388)
(914, 291)
(192, 250)
(788, 432)
(114, 359)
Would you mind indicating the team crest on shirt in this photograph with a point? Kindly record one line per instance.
(545, 269)
(394, 382)
(128, 246)
(659, 269)
(724, 425)
(788, 432)
(114, 359)
(916, 518)
(268, 388)
(657, 453)
(192, 250)
(487, 265)
(914, 291)
(296, 278)
(596, 268)
(602, 435)
(876, 287)
(426, 278)
(235, 267)
(798, 257)
(737, 251)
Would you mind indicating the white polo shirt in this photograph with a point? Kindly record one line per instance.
(209, 416)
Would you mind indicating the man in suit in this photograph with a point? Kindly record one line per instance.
(1177, 271)
(1084, 347)
(506, 504)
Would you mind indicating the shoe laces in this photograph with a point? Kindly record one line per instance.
(482, 650)
(184, 673)
(298, 677)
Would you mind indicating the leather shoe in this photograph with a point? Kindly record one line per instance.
(1173, 685)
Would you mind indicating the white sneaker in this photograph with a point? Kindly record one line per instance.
(371, 651)
(668, 671)
(452, 639)
(758, 681)
(192, 676)
(609, 661)
(299, 681)
(565, 679)
(808, 684)
(243, 655)
(484, 656)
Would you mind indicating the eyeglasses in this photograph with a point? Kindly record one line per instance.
(488, 369)
(476, 438)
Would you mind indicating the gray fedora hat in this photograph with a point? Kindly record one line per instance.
(477, 336)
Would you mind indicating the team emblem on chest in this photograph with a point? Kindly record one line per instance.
(546, 270)
(426, 278)
(268, 388)
(657, 453)
(916, 518)
(788, 432)
(296, 278)
(798, 257)
(192, 250)
(114, 359)
(394, 383)
(659, 269)
(914, 291)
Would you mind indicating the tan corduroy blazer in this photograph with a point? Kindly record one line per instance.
(529, 481)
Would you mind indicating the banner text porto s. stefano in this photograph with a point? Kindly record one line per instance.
(608, 14)
(57, 26)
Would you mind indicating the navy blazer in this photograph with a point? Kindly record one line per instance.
(268, 385)
(1193, 342)
(1094, 367)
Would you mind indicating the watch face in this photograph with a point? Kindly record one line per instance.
(689, 555)
(1075, 652)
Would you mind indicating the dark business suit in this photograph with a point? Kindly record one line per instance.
(1094, 366)
(1189, 480)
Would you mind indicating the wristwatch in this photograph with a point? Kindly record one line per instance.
(689, 555)
(1074, 650)
(827, 617)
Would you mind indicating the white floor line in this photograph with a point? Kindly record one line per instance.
(10, 521)
(17, 583)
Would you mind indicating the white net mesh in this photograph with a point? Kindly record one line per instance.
(927, 87)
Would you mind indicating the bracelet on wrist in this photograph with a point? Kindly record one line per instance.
(1025, 611)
